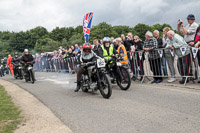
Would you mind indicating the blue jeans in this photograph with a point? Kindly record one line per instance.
(164, 66)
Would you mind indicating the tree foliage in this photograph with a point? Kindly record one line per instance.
(39, 39)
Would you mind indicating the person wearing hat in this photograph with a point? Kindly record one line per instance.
(189, 34)
(189, 30)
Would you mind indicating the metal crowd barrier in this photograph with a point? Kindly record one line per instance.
(66, 65)
(141, 64)
(187, 67)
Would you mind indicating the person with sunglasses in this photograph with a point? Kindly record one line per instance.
(87, 55)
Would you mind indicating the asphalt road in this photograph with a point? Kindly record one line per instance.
(144, 108)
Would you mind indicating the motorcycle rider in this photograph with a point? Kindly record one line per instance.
(87, 55)
(15, 61)
(107, 50)
(25, 60)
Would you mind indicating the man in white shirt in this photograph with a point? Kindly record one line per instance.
(188, 31)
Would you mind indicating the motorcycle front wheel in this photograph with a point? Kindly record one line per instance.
(105, 86)
(31, 76)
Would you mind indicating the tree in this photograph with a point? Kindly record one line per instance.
(101, 30)
(121, 30)
(58, 34)
(76, 39)
(46, 45)
(141, 29)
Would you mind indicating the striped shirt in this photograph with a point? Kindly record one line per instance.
(152, 44)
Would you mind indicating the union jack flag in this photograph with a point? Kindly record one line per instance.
(87, 22)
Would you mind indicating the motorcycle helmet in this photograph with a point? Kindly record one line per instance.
(87, 47)
(25, 50)
(106, 39)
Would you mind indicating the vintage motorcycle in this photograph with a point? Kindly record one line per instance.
(96, 78)
(118, 72)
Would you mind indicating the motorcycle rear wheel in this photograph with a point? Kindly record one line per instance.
(125, 82)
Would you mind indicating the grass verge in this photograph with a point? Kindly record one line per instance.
(9, 113)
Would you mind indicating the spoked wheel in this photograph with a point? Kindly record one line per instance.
(32, 77)
(105, 86)
(26, 78)
(21, 74)
(84, 89)
(124, 80)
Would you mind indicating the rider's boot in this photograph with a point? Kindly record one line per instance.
(78, 86)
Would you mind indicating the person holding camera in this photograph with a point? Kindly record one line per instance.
(189, 30)
(189, 34)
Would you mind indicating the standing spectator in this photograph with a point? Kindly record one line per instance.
(101, 42)
(150, 45)
(111, 40)
(175, 43)
(138, 46)
(163, 59)
(81, 48)
(123, 38)
(59, 50)
(37, 62)
(62, 60)
(169, 57)
(97, 46)
(55, 59)
(122, 51)
(72, 47)
(70, 55)
(10, 65)
(188, 31)
(197, 44)
(76, 50)
(115, 44)
(42, 60)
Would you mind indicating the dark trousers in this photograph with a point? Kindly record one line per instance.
(155, 68)
(79, 73)
(1, 71)
(141, 66)
(15, 70)
(183, 65)
(198, 57)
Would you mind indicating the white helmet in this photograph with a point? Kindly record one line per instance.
(25, 50)
(106, 39)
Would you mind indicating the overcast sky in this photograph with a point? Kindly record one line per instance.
(18, 15)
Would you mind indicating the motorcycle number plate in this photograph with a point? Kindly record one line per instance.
(100, 63)
(119, 64)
